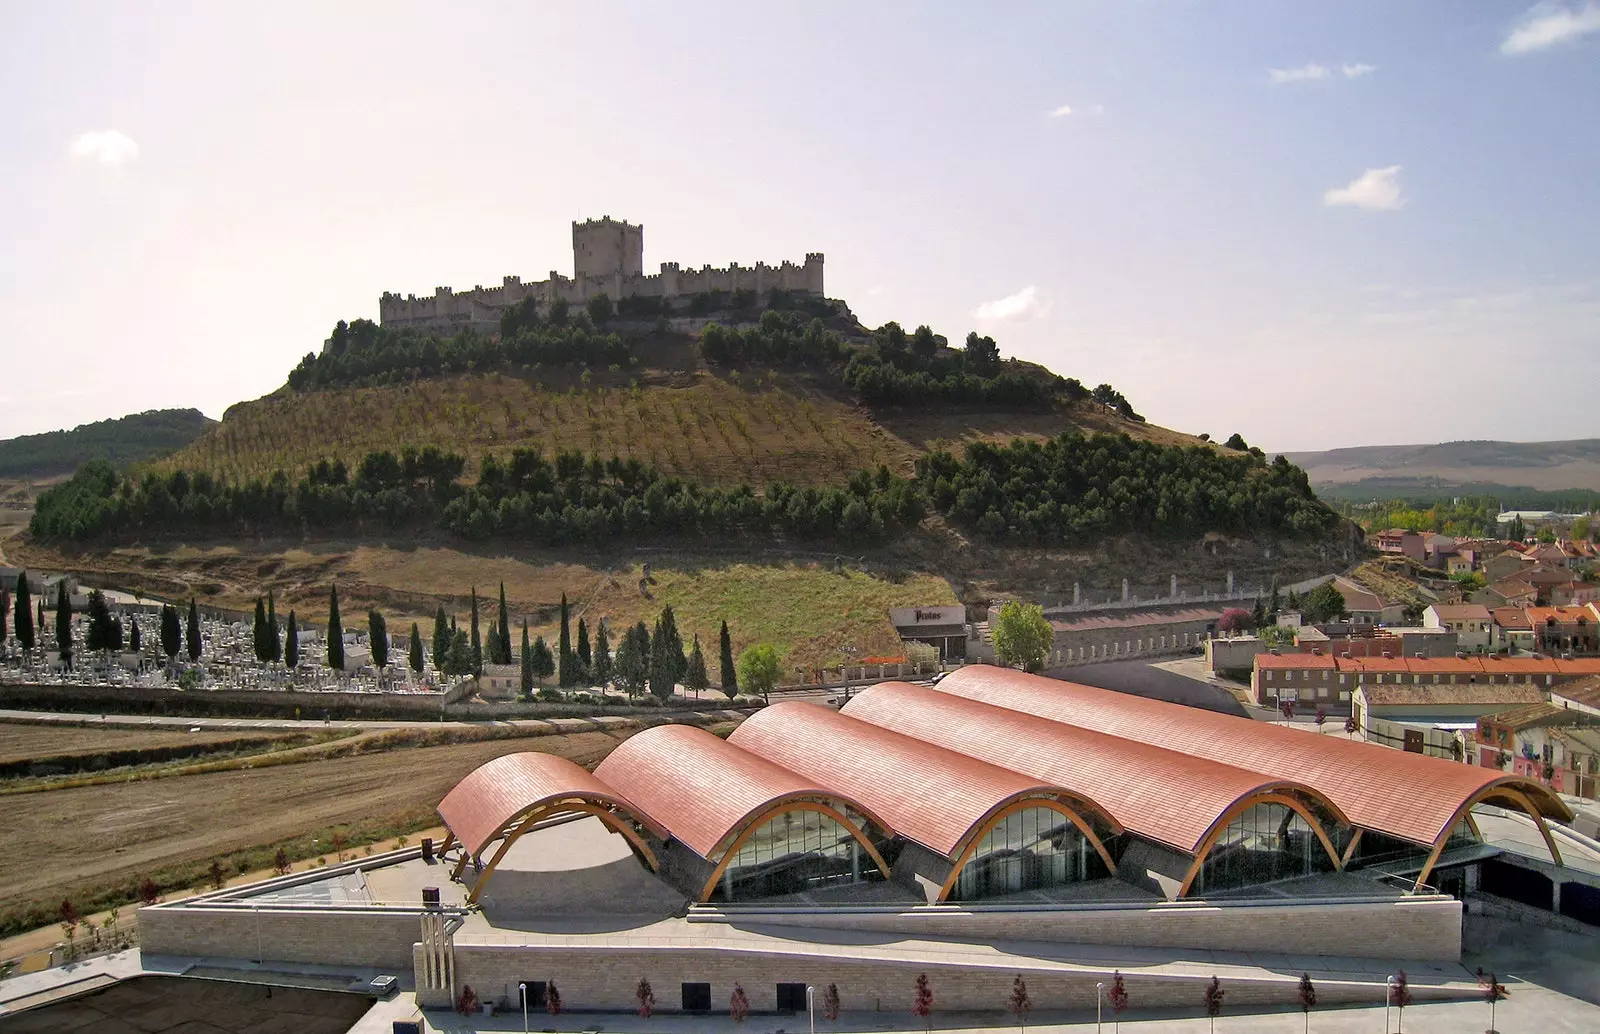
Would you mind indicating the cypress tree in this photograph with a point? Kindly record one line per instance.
(474, 640)
(441, 638)
(274, 633)
(291, 644)
(171, 632)
(414, 654)
(134, 642)
(730, 674)
(695, 676)
(64, 623)
(38, 617)
(527, 662)
(378, 636)
(669, 628)
(98, 635)
(666, 656)
(602, 656)
(114, 642)
(503, 644)
(335, 631)
(565, 672)
(25, 625)
(5, 615)
(585, 658)
(194, 631)
(258, 632)
(491, 641)
(544, 665)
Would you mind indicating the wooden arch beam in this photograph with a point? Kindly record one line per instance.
(1517, 796)
(532, 816)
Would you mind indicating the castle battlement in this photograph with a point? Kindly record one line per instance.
(608, 258)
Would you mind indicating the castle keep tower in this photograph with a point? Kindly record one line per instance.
(605, 247)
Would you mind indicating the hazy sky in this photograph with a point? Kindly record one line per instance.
(1317, 224)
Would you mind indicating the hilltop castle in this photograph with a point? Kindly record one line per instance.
(607, 258)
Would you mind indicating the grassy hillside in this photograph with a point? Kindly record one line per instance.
(124, 441)
(715, 429)
(1384, 470)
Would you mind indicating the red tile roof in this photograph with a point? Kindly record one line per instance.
(1390, 791)
(936, 797)
(1164, 795)
(1295, 661)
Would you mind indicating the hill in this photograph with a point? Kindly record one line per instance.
(1387, 470)
(122, 442)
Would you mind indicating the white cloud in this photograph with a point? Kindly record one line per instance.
(108, 147)
(1548, 24)
(1374, 189)
(1025, 304)
(1305, 73)
(1061, 112)
(1358, 69)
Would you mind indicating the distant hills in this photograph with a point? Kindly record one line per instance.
(123, 441)
(1481, 467)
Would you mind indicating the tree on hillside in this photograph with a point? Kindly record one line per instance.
(1324, 603)
(98, 634)
(335, 631)
(544, 663)
(1022, 637)
(258, 632)
(633, 660)
(274, 633)
(192, 632)
(474, 639)
(441, 638)
(24, 612)
(729, 673)
(525, 660)
(981, 354)
(378, 635)
(566, 670)
(503, 646)
(600, 309)
(291, 645)
(64, 623)
(171, 632)
(601, 659)
(759, 669)
(924, 344)
(695, 676)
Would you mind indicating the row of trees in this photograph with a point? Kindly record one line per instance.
(104, 631)
(1077, 488)
(572, 498)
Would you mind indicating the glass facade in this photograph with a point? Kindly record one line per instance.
(1265, 842)
(1377, 851)
(793, 852)
(1027, 850)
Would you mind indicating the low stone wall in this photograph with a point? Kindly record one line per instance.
(335, 937)
(221, 702)
(1422, 927)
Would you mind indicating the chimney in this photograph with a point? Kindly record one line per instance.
(1274, 651)
(1388, 656)
(1316, 651)
(1345, 655)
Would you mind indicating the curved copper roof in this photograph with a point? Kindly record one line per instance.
(1389, 791)
(936, 797)
(1159, 794)
(701, 789)
(479, 807)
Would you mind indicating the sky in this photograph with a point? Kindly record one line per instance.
(1317, 224)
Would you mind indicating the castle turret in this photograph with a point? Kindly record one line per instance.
(604, 247)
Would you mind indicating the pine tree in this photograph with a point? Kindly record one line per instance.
(695, 677)
(171, 632)
(193, 631)
(64, 623)
(258, 632)
(730, 674)
(378, 635)
(544, 664)
(335, 631)
(475, 642)
(291, 644)
(274, 633)
(527, 663)
(25, 626)
(503, 644)
(414, 653)
(602, 656)
(565, 669)
(441, 638)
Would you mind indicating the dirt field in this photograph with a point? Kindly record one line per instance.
(110, 834)
(21, 742)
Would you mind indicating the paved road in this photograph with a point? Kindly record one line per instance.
(1141, 679)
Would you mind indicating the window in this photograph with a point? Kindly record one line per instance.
(535, 993)
(791, 997)
(1027, 850)
(793, 852)
(697, 997)
(1265, 843)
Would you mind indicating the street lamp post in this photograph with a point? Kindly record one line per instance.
(523, 989)
(1099, 991)
(811, 1006)
(1388, 997)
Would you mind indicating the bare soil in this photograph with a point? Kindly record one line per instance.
(21, 742)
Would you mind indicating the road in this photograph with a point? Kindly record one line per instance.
(1142, 679)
